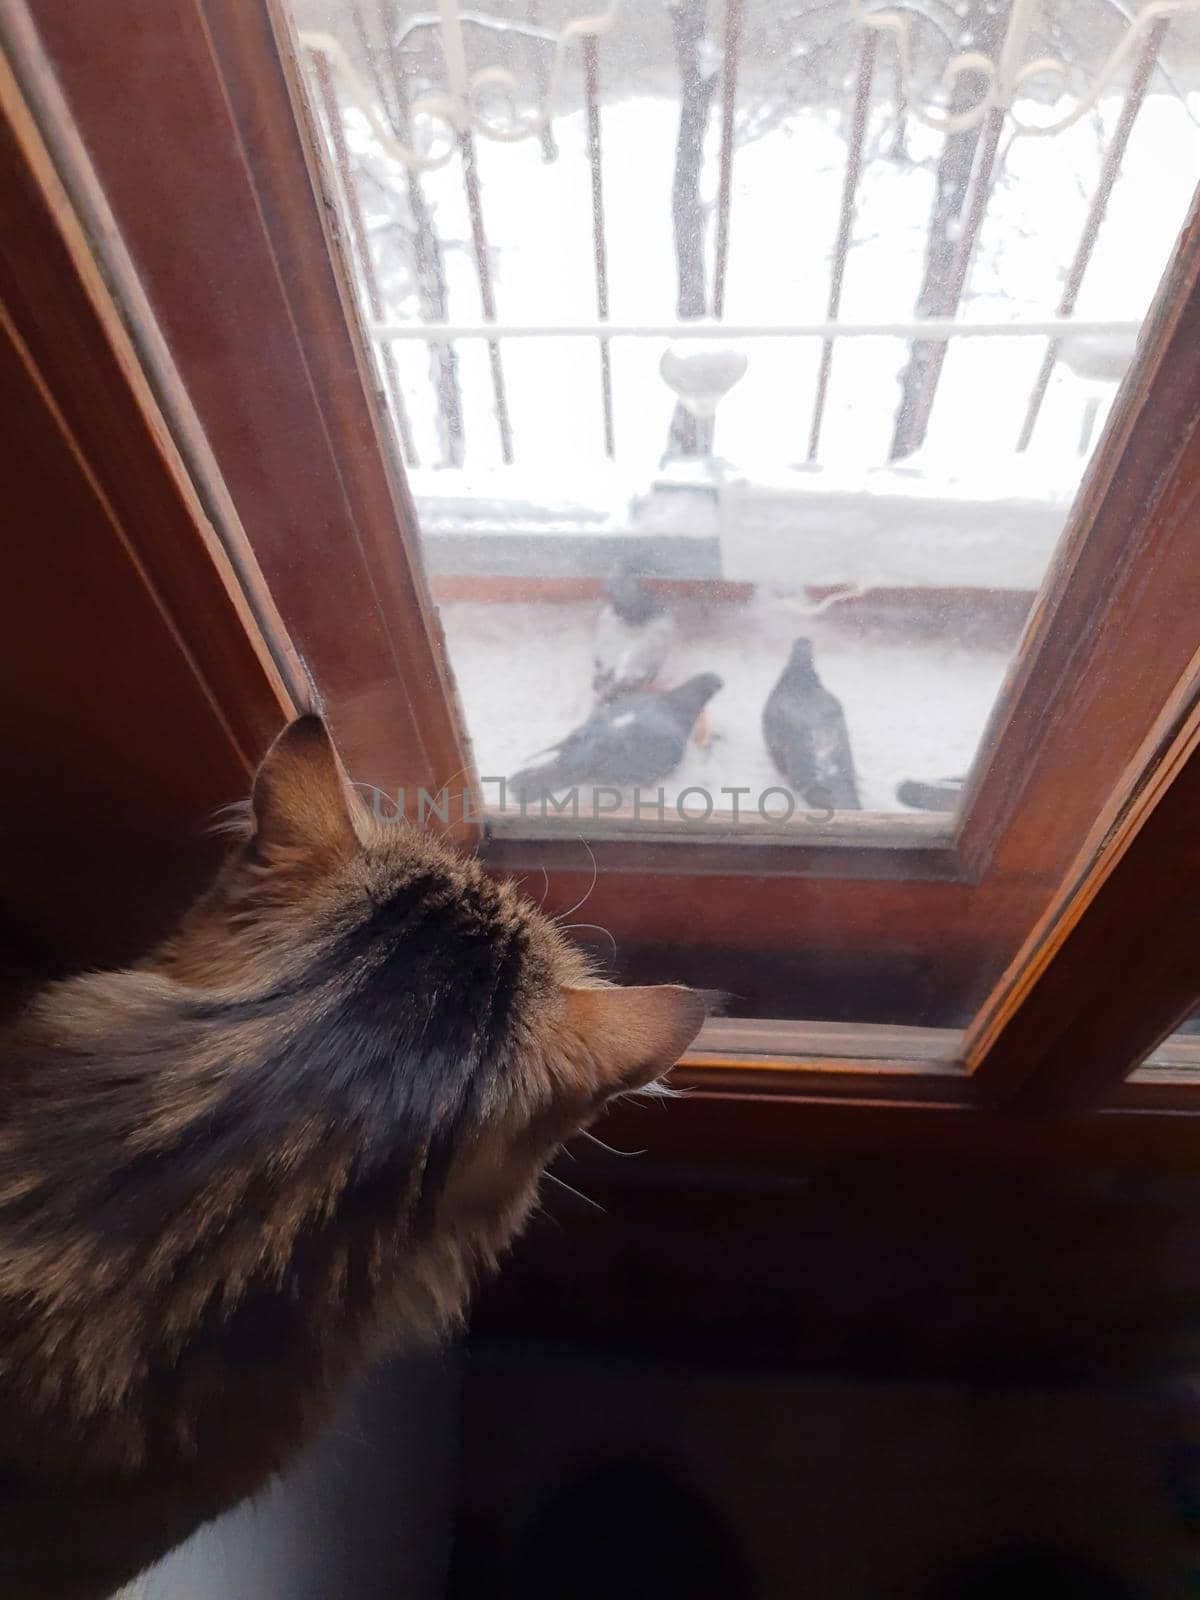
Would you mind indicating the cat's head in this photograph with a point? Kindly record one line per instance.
(437, 1009)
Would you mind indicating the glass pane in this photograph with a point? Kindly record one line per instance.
(781, 563)
(1177, 1058)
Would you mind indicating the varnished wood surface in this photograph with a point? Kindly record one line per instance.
(215, 200)
(886, 1239)
(137, 691)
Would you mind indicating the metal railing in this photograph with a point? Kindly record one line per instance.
(997, 81)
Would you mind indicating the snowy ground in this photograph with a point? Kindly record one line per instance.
(915, 708)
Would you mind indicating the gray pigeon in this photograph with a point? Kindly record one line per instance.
(637, 739)
(634, 634)
(943, 796)
(805, 731)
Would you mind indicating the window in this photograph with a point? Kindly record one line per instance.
(770, 323)
(1028, 941)
(1172, 1069)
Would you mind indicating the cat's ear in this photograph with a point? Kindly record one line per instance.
(634, 1035)
(300, 802)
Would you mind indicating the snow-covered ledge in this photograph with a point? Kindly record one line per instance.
(503, 522)
(907, 526)
(904, 526)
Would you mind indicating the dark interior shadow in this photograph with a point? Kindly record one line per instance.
(632, 1529)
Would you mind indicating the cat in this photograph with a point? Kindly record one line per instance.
(287, 1141)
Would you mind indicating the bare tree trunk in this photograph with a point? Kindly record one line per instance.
(899, 149)
(430, 274)
(982, 26)
(697, 85)
(443, 358)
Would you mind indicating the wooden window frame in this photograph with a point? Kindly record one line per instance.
(232, 289)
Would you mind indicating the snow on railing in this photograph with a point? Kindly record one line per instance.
(981, 87)
(937, 328)
(1005, 76)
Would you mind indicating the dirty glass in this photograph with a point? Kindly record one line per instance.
(744, 361)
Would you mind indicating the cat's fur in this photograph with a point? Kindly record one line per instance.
(286, 1141)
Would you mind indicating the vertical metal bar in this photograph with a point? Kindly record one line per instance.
(539, 66)
(362, 248)
(1110, 168)
(689, 435)
(1014, 47)
(370, 55)
(591, 83)
(729, 77)
(430, 274)
(454, 52)
(487, 297)
(956, 278)
(867, 41)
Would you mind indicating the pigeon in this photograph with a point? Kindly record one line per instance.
(634, 740)
(805, 732)
(922, 796)
(634, 634)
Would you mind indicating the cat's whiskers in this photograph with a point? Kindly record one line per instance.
(573, 927)
(658, 1090)
(611, 1149)
(587, 1199)
(579, 904)
(381, 795)
(234, 820)
(519, 884)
